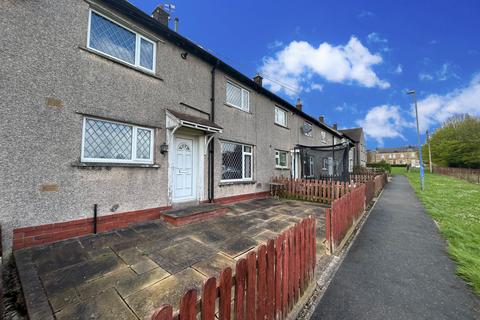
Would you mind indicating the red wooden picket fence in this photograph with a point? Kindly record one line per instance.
(380, 182)
(343, 216)
(321, 191)
(267, 283)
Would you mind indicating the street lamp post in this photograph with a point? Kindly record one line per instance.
(422, 174)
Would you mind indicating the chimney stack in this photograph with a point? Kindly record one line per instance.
(299, 104)
(258, 80)
(175, 24)
(334, 126)
(321, 119)
(161, 15)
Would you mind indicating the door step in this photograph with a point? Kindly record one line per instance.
(182, 216)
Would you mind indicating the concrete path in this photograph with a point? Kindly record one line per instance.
(398, 268)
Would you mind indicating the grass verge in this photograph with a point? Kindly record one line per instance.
(455, 205)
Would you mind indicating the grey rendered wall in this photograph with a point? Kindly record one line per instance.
(41, 58)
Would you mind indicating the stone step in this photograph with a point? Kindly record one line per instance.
(182, 216)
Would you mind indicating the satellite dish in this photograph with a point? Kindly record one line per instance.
(307, 128)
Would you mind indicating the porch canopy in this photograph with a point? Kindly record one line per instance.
(324, 162)
(189, 121)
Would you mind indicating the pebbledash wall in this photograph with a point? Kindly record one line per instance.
(49, 81)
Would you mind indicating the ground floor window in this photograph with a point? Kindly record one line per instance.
(115, 142)
(309, 166)
(281, 159)
(237, 161)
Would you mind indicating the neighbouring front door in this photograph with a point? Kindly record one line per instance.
(183, 170)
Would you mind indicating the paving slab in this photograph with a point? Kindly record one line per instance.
(127, 287)
(212, 267)
(168, 291)
(107, 306)
(144, 265)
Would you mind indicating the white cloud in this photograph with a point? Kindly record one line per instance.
(383, 122)
(374, 37)
(275, 44)
(299, 62)
(314, 87)
(444, 73)
(399, 69)
(435, 109)
(365, 14)
(425, 76)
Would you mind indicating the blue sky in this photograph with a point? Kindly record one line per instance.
(351, 61)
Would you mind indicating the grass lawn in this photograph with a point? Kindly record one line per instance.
(455, 206)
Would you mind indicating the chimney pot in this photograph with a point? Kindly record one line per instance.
(299, 104)
(321, 119)
(334, 126)
(258, 80)
(161, 15)
(175, 21)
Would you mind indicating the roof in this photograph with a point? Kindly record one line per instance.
(354, 134)
(143, 19)
(397, 149)
(194, 119)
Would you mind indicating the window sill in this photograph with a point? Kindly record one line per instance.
(100, 165)
(237, 108)
(282, 168)
(120, 62)
(281, 126)
(226, 183)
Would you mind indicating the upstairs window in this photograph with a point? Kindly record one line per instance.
(281, 159)
(280, 117)
(120, 43)
(114, 142)
(237, 162)
(323, 137)
(238, 97)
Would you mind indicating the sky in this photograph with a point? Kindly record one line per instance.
(351, 61)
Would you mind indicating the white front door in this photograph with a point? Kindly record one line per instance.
(183, 170)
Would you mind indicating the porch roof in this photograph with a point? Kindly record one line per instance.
(190, 121)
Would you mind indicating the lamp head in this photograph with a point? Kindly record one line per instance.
(411, 92)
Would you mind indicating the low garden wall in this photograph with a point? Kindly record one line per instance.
(267, 283)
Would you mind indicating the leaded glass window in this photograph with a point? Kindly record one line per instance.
(280, 116)
(237, 97)
(237, 161)
(108, 141)
(116, 41)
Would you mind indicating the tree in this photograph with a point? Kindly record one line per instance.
(456, 143)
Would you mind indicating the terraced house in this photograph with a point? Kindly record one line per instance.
(106, 110)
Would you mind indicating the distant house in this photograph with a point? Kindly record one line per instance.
(371, 156)
(359, 150)
(400, 155)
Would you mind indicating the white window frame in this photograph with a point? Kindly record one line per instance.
(134, 159)
(277, 159)
(277, 110)
(325, 164)
(323, 136)
(242, 91)
(138, 41)
(311, 166)
(244, 154)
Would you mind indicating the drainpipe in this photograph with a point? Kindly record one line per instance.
(211, 145)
